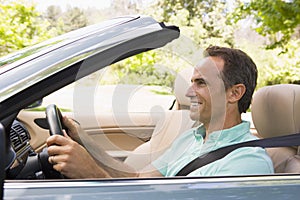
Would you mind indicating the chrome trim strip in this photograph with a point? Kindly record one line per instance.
(200, 182)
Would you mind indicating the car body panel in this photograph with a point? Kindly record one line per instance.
(248, 188)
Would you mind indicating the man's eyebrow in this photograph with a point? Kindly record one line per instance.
(198, 79)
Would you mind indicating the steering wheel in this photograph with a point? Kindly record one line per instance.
(37, 163)
(54, 119)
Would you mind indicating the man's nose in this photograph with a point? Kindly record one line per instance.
(190, 92)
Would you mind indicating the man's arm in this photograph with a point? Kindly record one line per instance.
(116, 168)
(74, 161)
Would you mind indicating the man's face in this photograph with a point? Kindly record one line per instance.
(207, 92)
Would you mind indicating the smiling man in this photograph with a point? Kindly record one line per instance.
(221, 89)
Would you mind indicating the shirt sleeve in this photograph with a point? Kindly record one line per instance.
(173, 153)
(161, 163)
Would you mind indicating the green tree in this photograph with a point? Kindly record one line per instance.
(21, 26)
(204, 21)
(284, 68)
(124, 7)
(147, 68)
(277, 19)
(54, 15)
(74, 18)
(71, 19)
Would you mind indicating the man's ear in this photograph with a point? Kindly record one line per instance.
(236, 92)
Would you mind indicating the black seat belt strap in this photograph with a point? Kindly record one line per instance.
(280, 141)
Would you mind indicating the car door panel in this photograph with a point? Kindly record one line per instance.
(116, 135)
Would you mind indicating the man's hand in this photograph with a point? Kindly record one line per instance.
(73, 129)
(71, 159)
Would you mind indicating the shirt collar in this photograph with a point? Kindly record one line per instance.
(228, 135)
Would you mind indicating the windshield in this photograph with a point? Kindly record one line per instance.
(39, 49)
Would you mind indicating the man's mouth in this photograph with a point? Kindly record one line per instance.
(195, 103)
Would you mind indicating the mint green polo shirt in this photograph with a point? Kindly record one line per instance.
(190, 145)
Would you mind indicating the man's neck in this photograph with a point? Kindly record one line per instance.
(218, 125)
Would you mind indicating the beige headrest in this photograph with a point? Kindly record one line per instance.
(182, 83)
(276, 110)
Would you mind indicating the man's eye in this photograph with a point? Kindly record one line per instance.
(200, 82)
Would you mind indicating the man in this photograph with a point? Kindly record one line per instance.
(221, 89)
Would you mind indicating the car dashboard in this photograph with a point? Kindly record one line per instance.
(21, 149)
(20, 138)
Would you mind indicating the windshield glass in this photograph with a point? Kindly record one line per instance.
(37, 50)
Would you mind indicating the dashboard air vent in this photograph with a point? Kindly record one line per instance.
(18, 136)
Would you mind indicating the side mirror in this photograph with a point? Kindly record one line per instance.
(2, 156)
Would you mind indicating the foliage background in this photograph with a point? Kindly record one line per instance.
(268, 30)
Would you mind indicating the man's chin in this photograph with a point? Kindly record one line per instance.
(194, 116)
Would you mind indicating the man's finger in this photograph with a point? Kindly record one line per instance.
(57, 140)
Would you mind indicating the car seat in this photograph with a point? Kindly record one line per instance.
(276, 112)
(171, 124)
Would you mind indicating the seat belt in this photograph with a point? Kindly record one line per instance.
(280, 141)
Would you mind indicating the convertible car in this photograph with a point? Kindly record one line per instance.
(133, 123)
